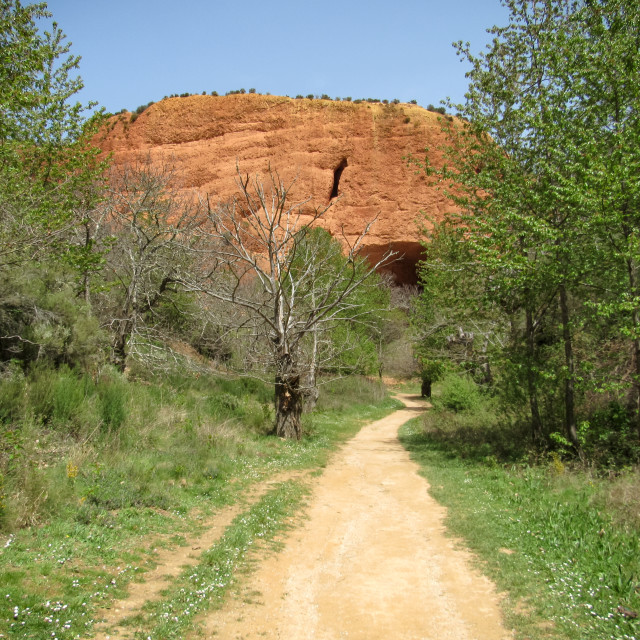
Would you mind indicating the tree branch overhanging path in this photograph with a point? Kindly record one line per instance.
(291, 284)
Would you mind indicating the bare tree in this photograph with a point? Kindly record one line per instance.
(153, 229)
(288, 289)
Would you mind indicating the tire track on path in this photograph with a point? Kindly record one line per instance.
(170, 563)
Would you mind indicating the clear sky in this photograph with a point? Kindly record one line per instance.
(134, 51)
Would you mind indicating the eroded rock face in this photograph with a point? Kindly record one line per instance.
(350, 155)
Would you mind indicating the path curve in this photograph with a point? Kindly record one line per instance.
(370, 562)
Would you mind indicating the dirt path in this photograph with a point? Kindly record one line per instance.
(171, 562)
(371, 562)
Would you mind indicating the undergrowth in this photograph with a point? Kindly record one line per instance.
(559, 538)
(97, 475)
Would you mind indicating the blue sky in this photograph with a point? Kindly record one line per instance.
(134, 51)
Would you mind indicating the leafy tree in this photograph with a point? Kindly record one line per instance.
(604, 70)
(49, 179)
(530, 166)
(47, 165)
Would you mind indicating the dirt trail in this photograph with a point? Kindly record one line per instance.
(371, 562)
(171, 562)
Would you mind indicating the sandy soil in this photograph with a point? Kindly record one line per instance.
(370, 562)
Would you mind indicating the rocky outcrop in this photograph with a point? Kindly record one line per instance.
(350, 155)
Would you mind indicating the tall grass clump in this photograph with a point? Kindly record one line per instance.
(113, 395)
(343, 393)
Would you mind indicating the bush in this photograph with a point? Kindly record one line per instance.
(70, 392)
(13, 390)
(41, 380)
(458, 393)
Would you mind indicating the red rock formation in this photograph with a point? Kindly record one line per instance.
(356, 151)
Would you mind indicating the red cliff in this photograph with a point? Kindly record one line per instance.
(356, 151)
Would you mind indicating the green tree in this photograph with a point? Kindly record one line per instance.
(530, 166)
(49, 174)
(604, 68)
(48, 167)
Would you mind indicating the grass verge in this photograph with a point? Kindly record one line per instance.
(88, 508)
(549, 537)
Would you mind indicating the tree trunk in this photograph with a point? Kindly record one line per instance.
(536, 421)
(311, 392)
(485, 365)
(636, 376)
(632, 269)
(311, 395)
(289, 403)
(569, 388)
(119, 347)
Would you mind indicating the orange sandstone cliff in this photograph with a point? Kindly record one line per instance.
(354, 151)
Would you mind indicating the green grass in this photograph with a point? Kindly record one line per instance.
(84, 509)
(552, 538)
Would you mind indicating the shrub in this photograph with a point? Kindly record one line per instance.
(143, 107)
(70, 392)
(458, 393)
(252, 90)
(413, 102)
(13, 389)
(40, 394)
(440, 110)
(310, 96)
(324, 96)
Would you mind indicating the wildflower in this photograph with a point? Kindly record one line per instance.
(72, 470)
